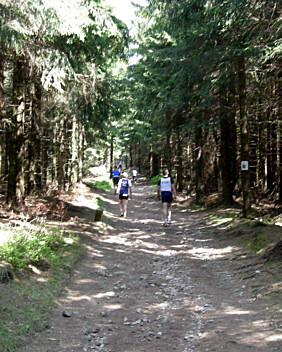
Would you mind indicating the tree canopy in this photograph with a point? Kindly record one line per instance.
(195, 90)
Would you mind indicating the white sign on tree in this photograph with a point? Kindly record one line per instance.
(244, 165)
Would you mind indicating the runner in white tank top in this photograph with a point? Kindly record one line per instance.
(166, 193)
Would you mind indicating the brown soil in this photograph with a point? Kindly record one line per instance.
(145, 288)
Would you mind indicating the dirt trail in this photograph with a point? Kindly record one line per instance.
(145, 288)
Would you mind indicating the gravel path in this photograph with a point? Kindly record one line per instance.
(145, 288)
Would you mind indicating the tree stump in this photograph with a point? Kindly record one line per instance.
(98, 215)
(6, 273)
(275, 253)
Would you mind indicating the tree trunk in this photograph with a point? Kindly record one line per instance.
(45, 148)
(198, 160)
(33, 172)
(280, 161)
(111, 155)
(80, 150)
(154, 164)
(167, 153)
(15, 139)
(179, 166)
(270, 172)
(244, 136)
(61, 154)
(131, 154)
(139, 158)
(73, 166)
(261, 153)
(227, 149)
(273, 174)
(54, 154)
(2, 127)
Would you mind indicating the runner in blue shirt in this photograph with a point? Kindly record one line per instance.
(124, 191)
(116, 177)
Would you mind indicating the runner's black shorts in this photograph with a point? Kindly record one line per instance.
(123, 196)
(166, 197)
(115, 180)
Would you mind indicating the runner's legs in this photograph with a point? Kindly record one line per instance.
(169, 212)
(125, 201)
(165, 211)
(120, 202)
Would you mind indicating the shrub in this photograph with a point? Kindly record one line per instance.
(155, 179)
(40, 248)
(104, 185)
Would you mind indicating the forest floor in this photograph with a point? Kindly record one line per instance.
(140, 287)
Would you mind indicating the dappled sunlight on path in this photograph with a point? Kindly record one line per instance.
(145, 288)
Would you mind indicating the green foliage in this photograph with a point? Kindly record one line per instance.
(257, 242)
(104, 185)
(40, 248)
(23, 310)
(100, 203)
(156, 179)
(187, 51)
(222, 217)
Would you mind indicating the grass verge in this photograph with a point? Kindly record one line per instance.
(103, 185)
(40, 261)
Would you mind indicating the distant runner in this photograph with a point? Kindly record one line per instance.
(134, 175)
(166, 193)
(124, 191)
(116, 177)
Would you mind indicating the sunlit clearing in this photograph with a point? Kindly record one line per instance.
(108, 200)
(233, 311)
(179, 246)
(206, 240)
(211, 253)
(113, 306)
(219, 222)
(163, 306)
(68, 240)
(260, 323)
(81, 298)
(168, 253)
(100, 266)
(94, 252)
(105, 294)
(128, 242)
(134, 230)
(276, 337)
(145, 237)
(85, 281)
(34, 269)
(98, 171)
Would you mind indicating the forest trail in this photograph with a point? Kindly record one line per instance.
(145, 288)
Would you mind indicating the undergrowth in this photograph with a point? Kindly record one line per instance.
(41, 260)
(154, 180)
(103, 185)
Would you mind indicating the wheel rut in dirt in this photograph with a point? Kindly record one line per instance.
(145, 288)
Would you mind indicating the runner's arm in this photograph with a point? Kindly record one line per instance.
(130, 192)
(118, 187)
(173, 191)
